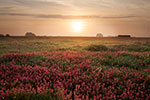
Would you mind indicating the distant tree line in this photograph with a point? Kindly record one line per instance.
(2, 35)
(28, 34)
(101, 35)
(124, 35)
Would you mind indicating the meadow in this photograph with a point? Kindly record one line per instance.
(74, 68)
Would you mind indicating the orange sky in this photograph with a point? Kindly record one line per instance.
(54, 17)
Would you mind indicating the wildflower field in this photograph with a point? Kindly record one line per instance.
(55, 68)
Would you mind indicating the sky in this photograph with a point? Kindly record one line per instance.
(55, 17)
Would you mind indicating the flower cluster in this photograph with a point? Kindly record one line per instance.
(73, 75)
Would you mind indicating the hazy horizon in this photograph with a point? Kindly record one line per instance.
(75, 17)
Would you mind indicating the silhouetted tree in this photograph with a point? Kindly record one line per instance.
(1, 35)
(30, 34)
(99, 35)
(7, 35)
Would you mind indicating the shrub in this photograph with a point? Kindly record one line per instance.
(96, 48)
(19, 59)
(7, 35)
(137, 48)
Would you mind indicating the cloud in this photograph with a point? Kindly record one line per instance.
(32, 6)
(39, 3)
(57, 16)
(102, 7)
(6, 8)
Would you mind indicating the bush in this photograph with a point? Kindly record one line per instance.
(96, 48)
(137, 48)
(7, 35)
(19, 59)
(1, 35)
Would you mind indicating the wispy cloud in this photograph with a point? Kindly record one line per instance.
(57, 16)
(6, 8)
(102, 7)
(38, 3)
(32, 6)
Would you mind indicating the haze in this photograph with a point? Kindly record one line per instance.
(55, 17)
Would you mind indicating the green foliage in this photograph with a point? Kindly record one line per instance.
(126, 60)
(63, 49)
(38, 44)
(29, 59)
(96, 48)
(132, 47)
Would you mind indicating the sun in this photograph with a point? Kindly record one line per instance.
(77, 26)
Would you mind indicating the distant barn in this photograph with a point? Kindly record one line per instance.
(30, 34)
(99, 35)
(124, 35)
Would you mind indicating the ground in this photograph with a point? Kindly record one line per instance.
(37, 44)
(64, 68)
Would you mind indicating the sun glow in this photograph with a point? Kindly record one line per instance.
(77, 26)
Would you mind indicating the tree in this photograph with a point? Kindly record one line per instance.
(1, 35)
(7, 35)
(30, 34)
(99, 35)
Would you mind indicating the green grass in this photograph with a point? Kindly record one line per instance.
(131, 47)
(96, 48)
(38, 44)
(29, 60)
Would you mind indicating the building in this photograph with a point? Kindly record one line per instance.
(124, 35)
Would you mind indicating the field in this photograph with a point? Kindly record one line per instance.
(74, 68)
